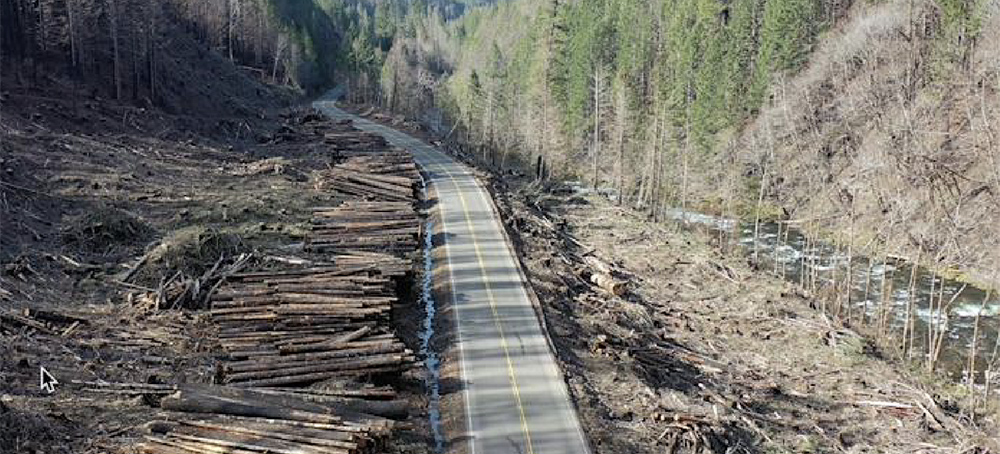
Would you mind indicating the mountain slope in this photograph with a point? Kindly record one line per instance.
(879, 116)
(892, 129)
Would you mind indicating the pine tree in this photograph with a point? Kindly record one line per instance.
(787, 32)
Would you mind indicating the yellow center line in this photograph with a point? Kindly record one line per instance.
(496, 314)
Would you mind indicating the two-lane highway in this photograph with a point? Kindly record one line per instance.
(516, 400)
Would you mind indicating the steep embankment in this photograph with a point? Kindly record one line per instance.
(889, 135)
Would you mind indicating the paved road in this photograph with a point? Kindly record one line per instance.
(516, 400)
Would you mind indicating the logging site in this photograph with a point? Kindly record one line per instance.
(499, 226)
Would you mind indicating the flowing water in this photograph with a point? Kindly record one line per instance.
(877, 288)
(431, 359)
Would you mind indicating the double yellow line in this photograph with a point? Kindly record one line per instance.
(493, 306)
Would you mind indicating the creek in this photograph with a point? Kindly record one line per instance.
(879, 288)
(431, 359)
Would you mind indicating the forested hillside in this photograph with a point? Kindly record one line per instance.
(177, 54)
(599, 77)
(877, 115)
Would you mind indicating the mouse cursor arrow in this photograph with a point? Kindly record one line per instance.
(46, 381)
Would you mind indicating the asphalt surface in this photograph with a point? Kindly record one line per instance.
(516, 400)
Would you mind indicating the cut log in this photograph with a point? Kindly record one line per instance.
(195, 402)
(332, 344)
(609, 284)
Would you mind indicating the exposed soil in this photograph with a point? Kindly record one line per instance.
(703, 353)
(98, 215)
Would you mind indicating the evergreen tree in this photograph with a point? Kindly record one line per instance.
(787, 32)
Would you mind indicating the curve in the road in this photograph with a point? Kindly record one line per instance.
(515, 396)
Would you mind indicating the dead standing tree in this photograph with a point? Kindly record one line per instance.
(599, 87)
(114, 45)
(621, 124)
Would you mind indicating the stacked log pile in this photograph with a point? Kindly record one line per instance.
(385, 227)
(234, 420)
(309, 324)
(395, 163)
(372, 169)
(369, 185)
(301, 326)
(310, 321)
(346, 140)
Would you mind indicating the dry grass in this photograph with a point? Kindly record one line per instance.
(25, 432)
(193, 250)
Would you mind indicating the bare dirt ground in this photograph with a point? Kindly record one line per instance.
(100, 211)
(703, 354)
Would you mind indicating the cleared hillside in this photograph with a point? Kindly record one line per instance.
(154, 179)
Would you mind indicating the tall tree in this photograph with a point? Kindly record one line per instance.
(113, 23)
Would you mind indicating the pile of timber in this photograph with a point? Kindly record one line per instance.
(309, 324)
(348, 141)
(395, 163)
(233, 420)
(295, 327)
(371, 168)
(384, 227)
(368, 185)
